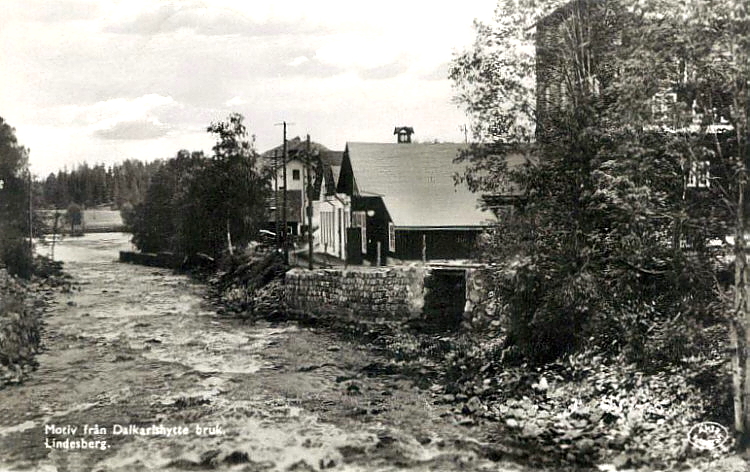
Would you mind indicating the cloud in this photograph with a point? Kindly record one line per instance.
(148, 128)
(121, 109)
(387, 71)
(122, 118)
(299, 60)
(205, 19)
(235, 101)
(440, 72)
(44, 11)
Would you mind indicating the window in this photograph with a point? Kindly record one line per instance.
(391, 237)
(699, 175)
(295, 174)
(325, 228)
(662, 104)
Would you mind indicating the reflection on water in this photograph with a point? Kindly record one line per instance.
(92, 247)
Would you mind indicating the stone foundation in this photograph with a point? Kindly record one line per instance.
(395, 293)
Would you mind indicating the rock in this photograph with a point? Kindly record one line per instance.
(542, 386)
(531, 430)
(465, 421)
(511, 423)
(449, 398)
(333, 348)
(474, 405)
(423, 439)
(621, 461)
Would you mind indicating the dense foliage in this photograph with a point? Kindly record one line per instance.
(608, 243)
(89, 186)
(15, 251)
(196, 204)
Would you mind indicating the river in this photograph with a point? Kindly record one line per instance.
(138, 372)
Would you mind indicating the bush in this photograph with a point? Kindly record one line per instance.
(16, 256)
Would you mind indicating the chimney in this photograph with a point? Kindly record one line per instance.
(403, 134)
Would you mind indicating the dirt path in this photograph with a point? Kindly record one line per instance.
(135, 347)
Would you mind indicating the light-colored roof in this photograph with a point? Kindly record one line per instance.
(416, 183)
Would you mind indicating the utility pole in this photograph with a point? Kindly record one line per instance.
(309, 207)
(285, 230)
(283, 210)
(276, 197)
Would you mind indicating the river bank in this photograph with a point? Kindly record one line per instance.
(22, 304)
(132, 346)
(584, 412)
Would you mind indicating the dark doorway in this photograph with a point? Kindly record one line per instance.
(354, 246)
(444, 299)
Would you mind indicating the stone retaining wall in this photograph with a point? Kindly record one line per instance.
(395, 293)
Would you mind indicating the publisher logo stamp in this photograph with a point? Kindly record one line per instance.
(708, 436)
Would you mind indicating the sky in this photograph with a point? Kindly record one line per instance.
(108, 80)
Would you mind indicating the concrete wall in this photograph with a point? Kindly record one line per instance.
(395, 293)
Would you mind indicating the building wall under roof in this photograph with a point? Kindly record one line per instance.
(438, 243)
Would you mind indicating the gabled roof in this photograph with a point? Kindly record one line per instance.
(294, 146)
(331, 158)
(416, 183)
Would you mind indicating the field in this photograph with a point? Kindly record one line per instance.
(94, 221)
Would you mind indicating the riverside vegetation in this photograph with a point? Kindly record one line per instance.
(587, 408)
(26, 282)
(612, 296)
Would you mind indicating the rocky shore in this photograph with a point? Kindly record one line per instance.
(22, 303)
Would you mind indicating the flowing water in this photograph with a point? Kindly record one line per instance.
(138, 372)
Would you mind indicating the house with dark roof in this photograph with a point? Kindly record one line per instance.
(405, 204)
(302, 182)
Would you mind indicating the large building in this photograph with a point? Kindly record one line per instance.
(400, 201)
(303, 182)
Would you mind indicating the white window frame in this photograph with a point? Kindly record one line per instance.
(391, 237)
(359, 220)
(699, 175)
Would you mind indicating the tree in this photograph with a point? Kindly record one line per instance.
(227, 196)
(611, 236)
(156, 223)
(15, 249)
(199, 205)
(74, 215)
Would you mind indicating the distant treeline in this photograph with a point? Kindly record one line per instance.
(90, 186)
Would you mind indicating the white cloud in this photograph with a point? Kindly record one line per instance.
(122, 118)
(297, 61)
(340, 70)
(138, 129)
(235, 101)
(122, 109)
